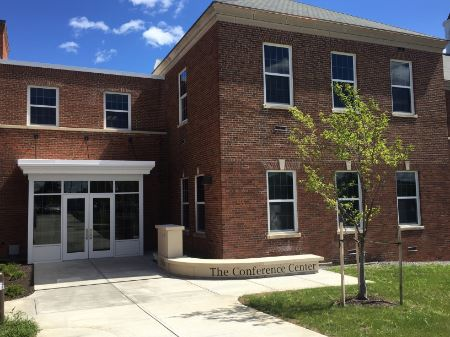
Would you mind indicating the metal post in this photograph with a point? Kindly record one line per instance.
(2, 298)
(400, 263)
(357, 252)
(341, 253)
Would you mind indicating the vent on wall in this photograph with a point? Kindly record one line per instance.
(281, 128)
(412, 249)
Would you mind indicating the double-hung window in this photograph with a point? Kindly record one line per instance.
(281, 193)
(402, 87)
(343, 69)
(200, 204)
(349, 200)
(117, 111)
(278, 88)
(43, 106)
(185, 202)
(182, 97)
(408, 202)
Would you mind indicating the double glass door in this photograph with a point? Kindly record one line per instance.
(88, 226)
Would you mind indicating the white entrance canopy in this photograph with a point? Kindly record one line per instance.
(51, 166)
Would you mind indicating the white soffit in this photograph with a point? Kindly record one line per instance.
(51, 166)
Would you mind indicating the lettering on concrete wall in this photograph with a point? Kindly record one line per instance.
(261, 270)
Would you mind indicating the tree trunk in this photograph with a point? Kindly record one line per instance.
(362, 294)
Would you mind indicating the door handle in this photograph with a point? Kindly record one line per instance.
(91, 234)
(87, 233)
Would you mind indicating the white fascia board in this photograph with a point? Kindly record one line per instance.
(100, 167)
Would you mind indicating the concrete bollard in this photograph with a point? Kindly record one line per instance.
(2, 298)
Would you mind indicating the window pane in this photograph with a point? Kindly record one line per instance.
(186, 216)
(276, 59)
(400, 74)
(201, 218)
(183, 83)
(407, 211)
(347, 184)
(401, 98)
(281, 216)
(101, 224)
(127, 186)
(101, 186)
(281, 186)
(200, 190)
(348, 212)
(75, 187)
(41, 96)
(76, 225)
(278, 89)
(406, 184)
(44, 116)
(183, 107)
(47, 220)
(45, 187)
(116, 102)
(342, 67)
(185, 190)
(118, 120)
(127, 216)
(337, 102)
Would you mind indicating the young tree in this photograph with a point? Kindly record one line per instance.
(358, 135)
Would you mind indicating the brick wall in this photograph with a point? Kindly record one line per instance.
(249, 145)
(81, 106)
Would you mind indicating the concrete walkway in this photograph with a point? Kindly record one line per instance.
(132, 297)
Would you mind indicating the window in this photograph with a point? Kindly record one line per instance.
(47, 213)
(402, 88)
(101, 186)
(200, 203)
(278, 75)
(182, 96)
(43, 106)
(281, 194)
(127, 210)
(349, 202)
(185, 202)
(117, 111)
(75, 187)
(343, 68)
(408, 203)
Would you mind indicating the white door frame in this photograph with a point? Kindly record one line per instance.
(80, 255)
(112, 210)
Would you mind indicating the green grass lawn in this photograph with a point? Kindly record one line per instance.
(426, 309)
(18, 325)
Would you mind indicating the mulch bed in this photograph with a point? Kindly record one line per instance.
(26, 281)
(371, 302)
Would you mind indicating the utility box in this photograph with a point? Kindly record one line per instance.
(170, 241)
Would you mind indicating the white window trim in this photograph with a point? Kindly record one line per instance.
(354, 82)
(198, 203)
(182, 202)
(269, 105)
(410, 87)
(104, 109)
(294, 182)
(180, 98)
(43, 106)
(348, 229)
(417, 197)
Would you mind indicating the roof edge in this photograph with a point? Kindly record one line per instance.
(222, 12)
(79, 69)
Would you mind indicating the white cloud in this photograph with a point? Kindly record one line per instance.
(82, 23)
(157, 63)
(179, 8)
(163, 35)
(103, 56)
(130, 26)
(70, 47)
(150, 4)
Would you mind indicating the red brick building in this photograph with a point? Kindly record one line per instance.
(92, 160)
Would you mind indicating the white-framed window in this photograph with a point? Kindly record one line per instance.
(43, 106)
(200, 203)
(349, 197)
(278, 83)
(117, 111)
(343, 72)
(408, 200)
(282, 201)
(402, 87)
(185, 202)
(182, 97)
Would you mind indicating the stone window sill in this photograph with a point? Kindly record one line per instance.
(288, 235)
(277, 106)
(405, 115)
(405, 228)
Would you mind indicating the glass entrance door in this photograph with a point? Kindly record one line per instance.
(75, 228)
(101, 226)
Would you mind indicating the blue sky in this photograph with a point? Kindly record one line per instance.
(130, 35)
